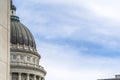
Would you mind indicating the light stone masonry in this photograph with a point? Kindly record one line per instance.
(4, 39)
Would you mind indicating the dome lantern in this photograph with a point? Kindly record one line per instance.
(13, 9)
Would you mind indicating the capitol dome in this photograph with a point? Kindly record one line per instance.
(20, 34)
(24, 58)
(21, 38)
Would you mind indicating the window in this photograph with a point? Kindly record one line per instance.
(37, 61)
(14, 56)
(22, 57)
(14, 76)
(28, 58)
(34, 60)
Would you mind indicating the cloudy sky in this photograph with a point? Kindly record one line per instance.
(77, 39)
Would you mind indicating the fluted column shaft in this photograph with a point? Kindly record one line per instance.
(28, 77)
(34, 77)
(19, 76)
(39, 78)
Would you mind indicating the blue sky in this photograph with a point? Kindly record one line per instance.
(78, 40)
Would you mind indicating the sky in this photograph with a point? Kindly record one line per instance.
(77, 39)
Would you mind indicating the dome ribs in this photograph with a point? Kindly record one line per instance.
(21, 35)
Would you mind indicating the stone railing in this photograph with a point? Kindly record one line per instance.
(26, 64)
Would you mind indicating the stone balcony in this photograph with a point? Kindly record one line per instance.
(28, 65)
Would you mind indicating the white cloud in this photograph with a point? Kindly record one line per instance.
(107, 9)
(62, 64)
(104, 8)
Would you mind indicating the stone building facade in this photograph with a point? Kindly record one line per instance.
(4, 39)
(24, 58)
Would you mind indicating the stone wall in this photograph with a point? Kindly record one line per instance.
(4, 39)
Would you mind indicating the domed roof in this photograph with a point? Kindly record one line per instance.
(21, 38)
(20, 34)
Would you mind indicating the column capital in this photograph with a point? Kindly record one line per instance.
(19, 73)
(28, 73)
